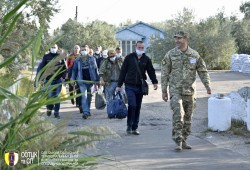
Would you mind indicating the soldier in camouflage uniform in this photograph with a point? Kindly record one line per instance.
(178, 71)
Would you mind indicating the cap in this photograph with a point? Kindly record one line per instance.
(111, 53)
(181, 34)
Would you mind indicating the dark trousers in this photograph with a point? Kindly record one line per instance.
(73, 90)
(134, 95)
(78, 99)
(53, 94)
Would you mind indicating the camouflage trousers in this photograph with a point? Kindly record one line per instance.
(183, 107)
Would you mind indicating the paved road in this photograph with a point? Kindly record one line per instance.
(154, 149)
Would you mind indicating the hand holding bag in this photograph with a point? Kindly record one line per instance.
(116, 108)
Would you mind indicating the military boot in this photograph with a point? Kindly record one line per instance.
(185, 145)
(178, 146)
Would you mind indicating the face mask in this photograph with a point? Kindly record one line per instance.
(118, 55)
(97, 52)
(84, 53)
(53, 50)
(139, 52)
(112, 59)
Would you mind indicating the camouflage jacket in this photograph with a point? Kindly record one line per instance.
(179, 69)
(105, 71)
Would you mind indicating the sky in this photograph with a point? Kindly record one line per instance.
(117, 11)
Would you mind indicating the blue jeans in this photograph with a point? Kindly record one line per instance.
(135, 96)
(55, 93)
(86, 97)
(110, 91)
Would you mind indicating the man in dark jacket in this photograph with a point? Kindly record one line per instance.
(132, 79)
(55, 62)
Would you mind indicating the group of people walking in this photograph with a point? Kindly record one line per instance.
(85, 68)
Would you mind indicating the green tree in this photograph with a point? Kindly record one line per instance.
(216, 44)
(245, 9)
(94, 34)
(26, 27)
(211, 38)
(72, 32)
(100, 33)
(182, 21)
(241, 29)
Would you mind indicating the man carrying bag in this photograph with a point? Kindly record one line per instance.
(133, 75)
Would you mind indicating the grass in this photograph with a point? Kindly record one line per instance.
(238, 128)
(26, 85)
(6, 80)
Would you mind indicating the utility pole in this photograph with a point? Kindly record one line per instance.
(76, 14)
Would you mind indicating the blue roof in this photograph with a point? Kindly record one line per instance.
(131, 31)
(138, 24)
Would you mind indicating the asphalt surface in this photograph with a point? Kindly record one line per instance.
(154, 148)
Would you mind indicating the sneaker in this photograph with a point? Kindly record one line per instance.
(49, 112)
(73, 101)
(135, 132)
(178, 146)
(129, 130)
(186, 146)
(57, 116)
(80, 108)
(85, 116)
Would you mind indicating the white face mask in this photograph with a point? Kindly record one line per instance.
(53, 50)
(84, 53)
(118, 55)
(112, 59)
(139, 52)
(97, 52)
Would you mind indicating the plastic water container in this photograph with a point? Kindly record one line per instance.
(219, 113)
(248, 114)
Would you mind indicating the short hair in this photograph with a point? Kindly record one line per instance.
(139, 42)
(85, 46)
(111, 52)
(99, 48)
(77, 46)
(118, 48)
(91, 52)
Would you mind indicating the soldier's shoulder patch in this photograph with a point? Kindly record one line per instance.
(163, 62)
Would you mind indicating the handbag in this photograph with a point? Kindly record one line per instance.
(144, 84)
(116, 108)
(100, 101)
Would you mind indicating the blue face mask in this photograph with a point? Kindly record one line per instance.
(112, 59)
(139, 52)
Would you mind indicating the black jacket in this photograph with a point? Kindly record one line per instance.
(129, 73)
(57, 63)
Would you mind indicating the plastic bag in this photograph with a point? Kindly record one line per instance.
(100, 101)
(63, 94)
